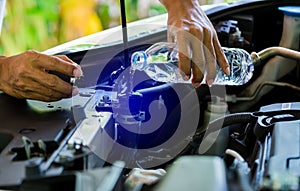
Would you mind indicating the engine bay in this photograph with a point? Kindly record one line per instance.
(161, 136)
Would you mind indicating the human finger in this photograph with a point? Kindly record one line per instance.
(55, 63)
(210, 57)
(198, 59)
(53, 82)
(52, 96)
(221, 58)
(64, 57)
(66, 66)
(198, 74)
(184, 52)
(37, 96)
(37, 92)
(171, 34)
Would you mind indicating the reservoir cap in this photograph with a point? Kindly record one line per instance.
(293, 11)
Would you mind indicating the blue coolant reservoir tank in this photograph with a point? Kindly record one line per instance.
(293, 11)
(291, 27)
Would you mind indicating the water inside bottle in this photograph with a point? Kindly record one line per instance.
(162, 65)
(241, 68)
(164, 72)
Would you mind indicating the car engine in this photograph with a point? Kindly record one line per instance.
(124, 131)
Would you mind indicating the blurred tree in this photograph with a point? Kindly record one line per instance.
(78, 18)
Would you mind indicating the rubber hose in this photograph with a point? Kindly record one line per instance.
(229, 119)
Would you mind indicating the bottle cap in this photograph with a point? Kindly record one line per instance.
(139, 60)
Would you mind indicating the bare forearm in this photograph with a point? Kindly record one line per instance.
(179, 4)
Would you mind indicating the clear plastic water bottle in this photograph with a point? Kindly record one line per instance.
(160, 62)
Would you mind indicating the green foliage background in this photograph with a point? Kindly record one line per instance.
(29, 24)
(35, 24)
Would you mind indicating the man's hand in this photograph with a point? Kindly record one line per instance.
(26, 76)
(197, 41)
